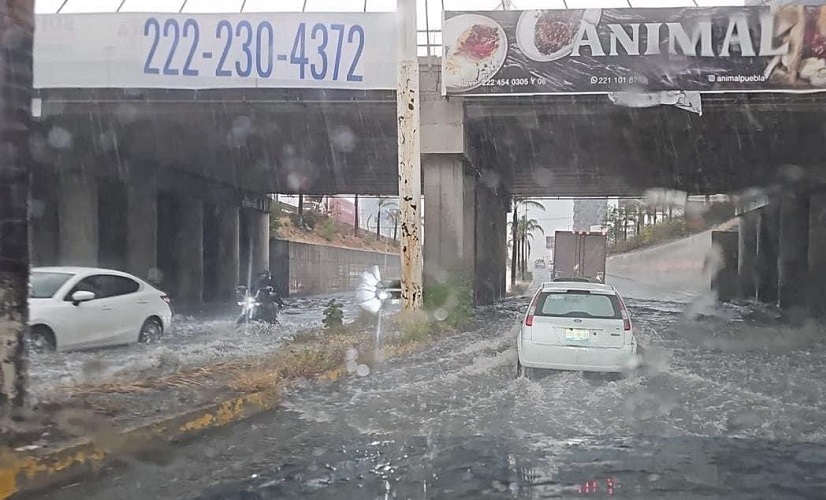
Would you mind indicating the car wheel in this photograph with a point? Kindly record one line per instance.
(151, 332)
(41, 339)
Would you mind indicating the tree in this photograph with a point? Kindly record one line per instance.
(519, 202)
(17, 24)
(356, 220)
(523, 234)
(383, 202)
(395, 217)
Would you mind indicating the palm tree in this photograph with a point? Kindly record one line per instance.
(519, 202)
(395, 217)
(383, 202)
(527, 227)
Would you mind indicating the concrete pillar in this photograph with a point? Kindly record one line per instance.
(44, 224)
(724, 282)
(768, 234)
(793, 262)
(141, 228)
(189, 250)
(228, 271)
(449, 218)
(747, 255)
(78, 215)
(260, 240)
(817, 254)
(487, 257)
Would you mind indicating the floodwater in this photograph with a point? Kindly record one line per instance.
(728, 403)
(192, 341)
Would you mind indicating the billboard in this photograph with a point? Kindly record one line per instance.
(598, 51)
(199, 51)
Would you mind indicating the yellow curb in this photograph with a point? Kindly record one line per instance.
(32, 471)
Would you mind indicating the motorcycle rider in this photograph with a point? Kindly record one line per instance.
(266, 280)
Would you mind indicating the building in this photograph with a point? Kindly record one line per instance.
(589, 213)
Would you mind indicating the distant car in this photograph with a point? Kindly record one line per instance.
(539, 264)
(82, 307)
(576, 326)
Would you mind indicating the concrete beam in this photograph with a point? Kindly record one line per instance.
(78, 215)
(768, 242)
(442, 120)
(490, 244)
(817, 254)
(747, 255)
(141, 228)
(793, 261)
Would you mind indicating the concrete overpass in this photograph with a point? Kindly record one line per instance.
(174, 167)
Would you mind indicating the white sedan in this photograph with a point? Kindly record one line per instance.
(576, 326)
(82, 307)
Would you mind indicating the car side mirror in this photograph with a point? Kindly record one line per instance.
(523, 309)
(82, 296)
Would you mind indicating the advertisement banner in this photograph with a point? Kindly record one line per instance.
(599, 51)
(200, 51)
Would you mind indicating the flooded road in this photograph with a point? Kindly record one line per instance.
(193, 340)
(727, 404)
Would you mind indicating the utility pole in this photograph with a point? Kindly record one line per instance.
(17, 30)
(410, 163)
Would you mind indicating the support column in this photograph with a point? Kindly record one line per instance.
(44, 225)
(793, 262)
(817, 254)
(747, 255)
(768, 234)
(78, 217)
(449, 219)
(141, 229)
(487, 255)
(189, 246)
(260, 241)
(724, 282)
(229, 245)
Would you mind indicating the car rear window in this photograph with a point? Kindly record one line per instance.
(578, 304)
(44, 285)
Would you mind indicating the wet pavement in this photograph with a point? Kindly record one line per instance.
(726, 404)
(192, 341)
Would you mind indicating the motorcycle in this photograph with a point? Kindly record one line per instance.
(258, 307)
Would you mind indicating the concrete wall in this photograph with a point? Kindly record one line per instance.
(679, 269)
(313, 269)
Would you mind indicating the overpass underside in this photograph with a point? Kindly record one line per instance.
(220, 148)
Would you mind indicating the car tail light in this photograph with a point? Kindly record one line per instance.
(166, 299)
(531, 309)
(626, 319)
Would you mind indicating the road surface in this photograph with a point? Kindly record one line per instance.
(728, 404)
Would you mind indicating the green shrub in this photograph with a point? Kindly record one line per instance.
(453, 301)
(328, 230)
(333, 315)
(275, 218)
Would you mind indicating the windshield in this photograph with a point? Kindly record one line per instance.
(44, 285)
(409, 175)
(578, 305)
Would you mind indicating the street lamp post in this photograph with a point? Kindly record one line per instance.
(409, 149)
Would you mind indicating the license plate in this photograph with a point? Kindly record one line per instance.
(577, 335)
